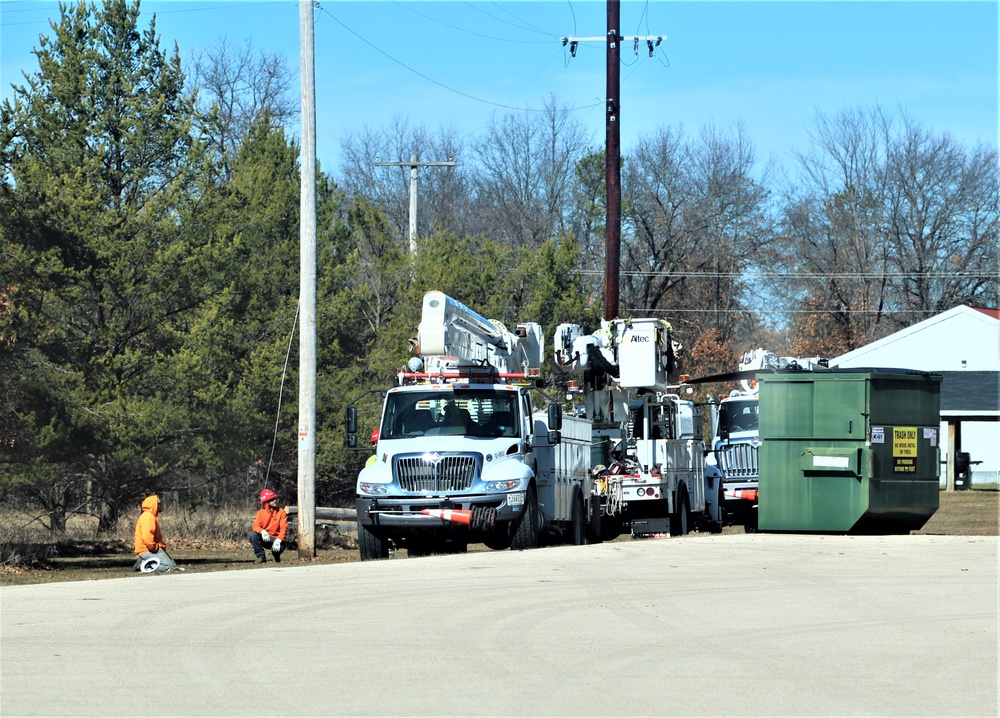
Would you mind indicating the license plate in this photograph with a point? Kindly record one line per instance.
(515, 499)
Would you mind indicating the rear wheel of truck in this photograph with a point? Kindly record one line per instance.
(680, 521)
(594, 527)
(372, 547)
(577, 526)
(526, 533)
(750, 521)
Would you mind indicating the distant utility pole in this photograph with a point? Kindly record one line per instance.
(612, 153)
(413, 165)
(307, 289)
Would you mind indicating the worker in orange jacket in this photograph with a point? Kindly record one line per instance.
(149, 544)
(270, 527)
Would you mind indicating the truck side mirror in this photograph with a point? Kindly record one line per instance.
(555, 437)
(351, 420)
(555, 417)
(352, 441)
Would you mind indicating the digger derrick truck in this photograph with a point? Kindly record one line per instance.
(647, 438)
(736, 436)
(461, 453)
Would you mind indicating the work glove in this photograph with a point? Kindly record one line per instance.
(265, 535)
(277, 545)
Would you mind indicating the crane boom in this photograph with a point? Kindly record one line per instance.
(452, 335)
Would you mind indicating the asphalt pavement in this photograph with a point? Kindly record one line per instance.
(734, 625)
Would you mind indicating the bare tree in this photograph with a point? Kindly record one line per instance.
(887, 223)
(834, 234)
(943, 234)
(695, 218)
(238, 87)
(443, 194)
(526, 166)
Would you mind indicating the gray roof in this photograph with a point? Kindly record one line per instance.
(970, 392)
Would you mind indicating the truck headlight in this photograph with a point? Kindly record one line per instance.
(374, 489)
(505, 485)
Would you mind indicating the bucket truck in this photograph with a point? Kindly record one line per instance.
(647, 438)
(462, 455)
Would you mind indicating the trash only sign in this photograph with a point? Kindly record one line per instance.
(904, 449)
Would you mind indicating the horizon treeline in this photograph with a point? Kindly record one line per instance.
(149, 226)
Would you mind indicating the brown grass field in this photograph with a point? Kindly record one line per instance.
(218, 543)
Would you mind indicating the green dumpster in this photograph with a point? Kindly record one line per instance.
(848, 451)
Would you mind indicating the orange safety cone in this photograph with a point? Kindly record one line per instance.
(458, 516)
(742, 494)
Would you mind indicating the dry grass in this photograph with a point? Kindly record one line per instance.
(217, 541)
(966, 513)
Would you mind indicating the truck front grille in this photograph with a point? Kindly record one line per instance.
(738, 461)
(436, 472)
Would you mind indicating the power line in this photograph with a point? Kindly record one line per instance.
(441, 84)
(800, 275)
(470, 32)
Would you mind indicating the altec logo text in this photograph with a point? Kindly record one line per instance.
(639, 338)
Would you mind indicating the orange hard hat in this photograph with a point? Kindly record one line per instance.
(266, 495)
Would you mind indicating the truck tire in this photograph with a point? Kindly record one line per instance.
(499, 539)
(594, 528)
(371, 547)
(526, 532)
(680, 520)
(577, 525)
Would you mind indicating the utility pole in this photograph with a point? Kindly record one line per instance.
(413, 164)
(613, 166)
(612, 152)
(307, 289)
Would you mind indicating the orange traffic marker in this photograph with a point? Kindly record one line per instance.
(742, 494)
(456, 515)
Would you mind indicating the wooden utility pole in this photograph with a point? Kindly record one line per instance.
(413, 164)
(612, 147)
(613, 166)
(307, 289)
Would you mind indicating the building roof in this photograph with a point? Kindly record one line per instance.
(989, 319)
(973, 394)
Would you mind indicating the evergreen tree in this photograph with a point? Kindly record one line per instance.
(98, 162)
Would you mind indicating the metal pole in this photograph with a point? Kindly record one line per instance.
(414, 165)
(307, 290)
(413, 204)
(612, 166)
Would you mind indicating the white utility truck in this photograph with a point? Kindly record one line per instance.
(651, 477)
(462, 455)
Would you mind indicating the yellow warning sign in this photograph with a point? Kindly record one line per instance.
(904, 449)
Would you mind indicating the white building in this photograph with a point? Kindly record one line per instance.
(963, 345)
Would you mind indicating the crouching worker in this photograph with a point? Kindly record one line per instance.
(269, 527)
(149, 544)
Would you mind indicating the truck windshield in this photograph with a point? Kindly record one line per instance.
(738, 416)
(457, 412)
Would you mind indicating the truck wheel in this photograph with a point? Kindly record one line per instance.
(577, 531)
(499, 539)
(371, 546)
(594, 525)
(750, 522)
(526, 533)
(681, 520)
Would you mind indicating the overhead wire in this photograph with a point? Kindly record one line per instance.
(436, 82)
(470, 32)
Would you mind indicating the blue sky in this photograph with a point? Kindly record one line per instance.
(770, 65)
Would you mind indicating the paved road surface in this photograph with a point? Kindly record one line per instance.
(704, 625)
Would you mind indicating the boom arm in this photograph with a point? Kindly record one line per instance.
(452, 334)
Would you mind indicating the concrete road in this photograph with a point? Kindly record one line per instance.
(703, 625)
